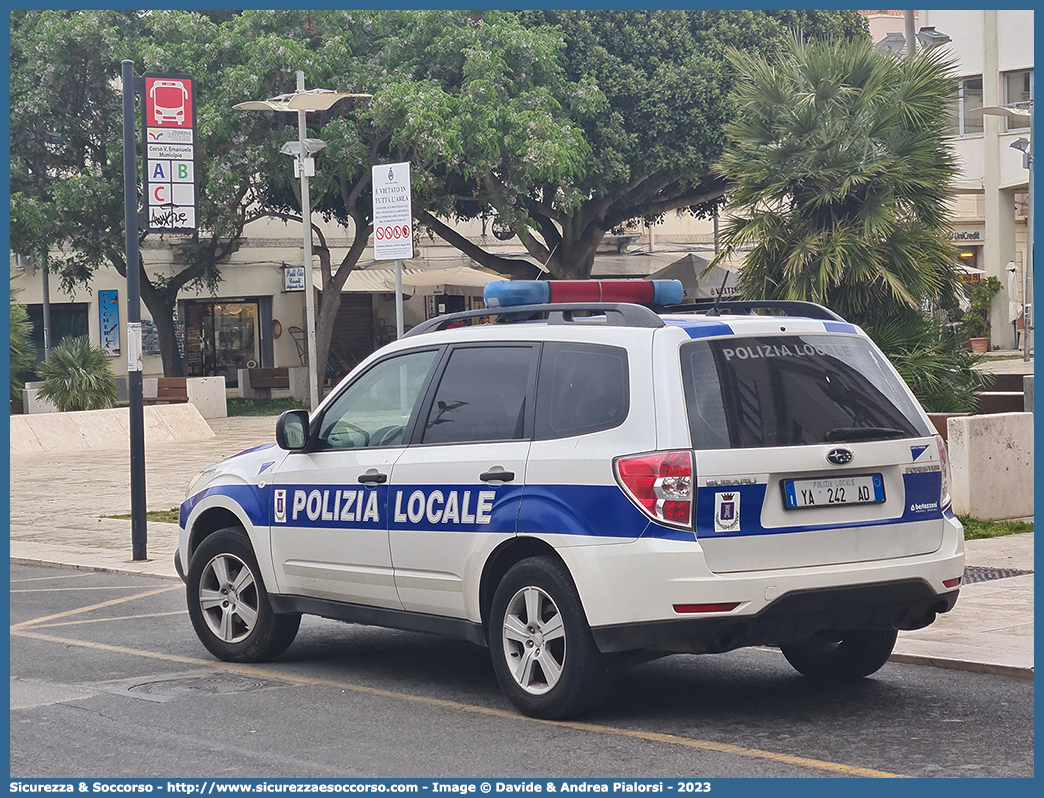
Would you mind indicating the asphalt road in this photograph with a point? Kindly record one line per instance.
(108, 680)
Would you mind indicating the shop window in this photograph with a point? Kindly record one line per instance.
(221, 338)
(68, 320)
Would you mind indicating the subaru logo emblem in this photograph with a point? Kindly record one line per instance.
(840, 456)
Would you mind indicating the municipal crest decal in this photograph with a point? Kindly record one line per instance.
(280, 506)
(726, 512)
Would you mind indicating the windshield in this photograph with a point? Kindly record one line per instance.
(793, 390)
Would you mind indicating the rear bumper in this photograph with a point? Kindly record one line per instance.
(797, 615)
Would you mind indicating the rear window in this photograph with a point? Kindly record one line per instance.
(582, 388)
(793, 390)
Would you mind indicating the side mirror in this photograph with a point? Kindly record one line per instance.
(292, 430)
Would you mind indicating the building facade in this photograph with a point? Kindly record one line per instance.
(993, 50)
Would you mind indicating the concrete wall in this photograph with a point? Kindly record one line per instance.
(104, 429)
(32, 402)
(991, 465)
(208, 395)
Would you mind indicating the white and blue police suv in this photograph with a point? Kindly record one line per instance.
(588, 479)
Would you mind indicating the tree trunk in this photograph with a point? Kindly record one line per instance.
(160, 305)
(330, 299)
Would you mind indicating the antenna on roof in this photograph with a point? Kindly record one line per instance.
(714, 311)
(550, 255)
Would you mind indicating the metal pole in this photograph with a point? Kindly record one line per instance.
(1027, 267)
(46, 306)
(911, 36)
(398, 300)
(306, 222)
(139, 530)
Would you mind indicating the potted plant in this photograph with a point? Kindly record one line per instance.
(975, 324)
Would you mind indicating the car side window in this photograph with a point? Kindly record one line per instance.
(375, 408)
(481, 395)
(582, 388)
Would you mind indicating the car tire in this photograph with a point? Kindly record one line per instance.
(228, 603)
(849, 656)
(548, 665)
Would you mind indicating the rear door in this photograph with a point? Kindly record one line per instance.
(809, 451)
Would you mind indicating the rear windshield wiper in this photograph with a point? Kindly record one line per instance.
(862, 434)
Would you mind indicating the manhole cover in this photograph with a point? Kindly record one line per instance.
(170, 687)
(985, 574)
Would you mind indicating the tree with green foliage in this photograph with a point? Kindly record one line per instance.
(77, 376)
(67, 151)
(840, 179)
(455, 95)
(649, 92)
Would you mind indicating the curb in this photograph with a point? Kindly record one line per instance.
(963, 665)
(103, 569)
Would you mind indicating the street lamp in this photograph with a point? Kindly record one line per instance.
(1013, 112)
(302, 151)
(928, 37)
(896, 43)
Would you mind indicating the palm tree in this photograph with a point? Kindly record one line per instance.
(77, 376)
(840, 177)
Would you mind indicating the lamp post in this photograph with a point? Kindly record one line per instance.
(1013, 112)
(302, 102)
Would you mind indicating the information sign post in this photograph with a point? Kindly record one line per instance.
(393, 223)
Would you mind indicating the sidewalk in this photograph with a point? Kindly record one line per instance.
(57, 502)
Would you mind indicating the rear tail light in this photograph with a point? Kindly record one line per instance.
(944, 491)
(660, 484)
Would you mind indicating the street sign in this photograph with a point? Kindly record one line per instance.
(392, 212)
(169, 145)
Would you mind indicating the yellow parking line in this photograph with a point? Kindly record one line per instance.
(47, 578)
(73, 589)
(91, 607)
(106, 620)
(670, 739)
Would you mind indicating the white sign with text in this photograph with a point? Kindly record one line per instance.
(392, 212)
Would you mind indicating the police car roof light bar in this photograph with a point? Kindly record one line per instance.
(538, 292)
(789, 307)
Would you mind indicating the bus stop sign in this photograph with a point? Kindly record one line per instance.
(169, 147)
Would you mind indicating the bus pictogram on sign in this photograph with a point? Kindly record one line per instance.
(168, 102)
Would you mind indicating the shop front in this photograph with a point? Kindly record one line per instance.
(225, 335)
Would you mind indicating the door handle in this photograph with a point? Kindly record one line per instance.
(495, 475)
(373, 477)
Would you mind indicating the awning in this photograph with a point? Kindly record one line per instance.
(368, 281)
(457, 281)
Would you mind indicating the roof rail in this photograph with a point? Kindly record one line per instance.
(617, 314)
(789, 307)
